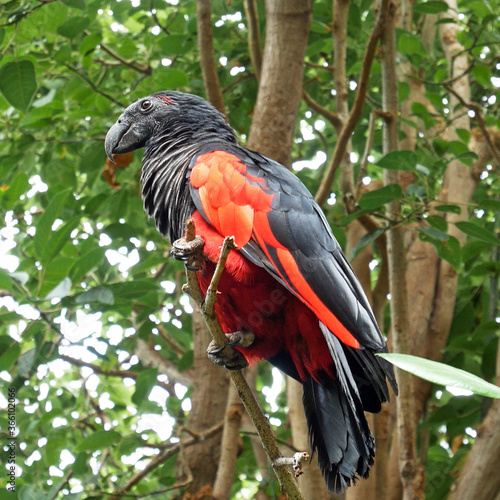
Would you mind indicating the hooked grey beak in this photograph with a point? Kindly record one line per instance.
(124, 137)
(113, 138)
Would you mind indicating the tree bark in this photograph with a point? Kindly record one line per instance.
(479, 477)
(254, 45)
(209, 404)
(412, 475)
(457, 188)
(206, 50)
(280, 88)
(230, 445)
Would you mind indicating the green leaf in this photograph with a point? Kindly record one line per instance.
(366, 240)
(18, 83)
(58, 239)
(431, 7)
(450, 251)
(409, 44)
(90, 42)
(483, 75)
(77, 4)
(493, 205)
(134, 289)
(17, 187)
(452, 209)
(399, 160)
(170, 78)
(477, 232)
(175, 45)
(379, 197)
(439, 373)
(99, 294)
(73, 27)
(25, 363)
(144, 382)
(63, 289)
(86, 263)
(10, 350)
(434, 233)
(441, 146)
(186, 361)
(44, 225)
(5, 280)
(464, 135)
(98, 440)
(438, 222)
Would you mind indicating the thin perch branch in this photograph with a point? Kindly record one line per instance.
(282, 471)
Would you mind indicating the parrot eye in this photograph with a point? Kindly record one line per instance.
(145, 105)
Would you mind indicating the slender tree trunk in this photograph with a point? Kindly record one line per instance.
(209, 404)
(411, 473)
(206, 50)
(280, 88)
(230, 445)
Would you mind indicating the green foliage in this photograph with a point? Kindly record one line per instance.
(84, 276)
(442, 374)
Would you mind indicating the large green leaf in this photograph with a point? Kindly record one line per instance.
(86, 263)
(442, 374)
(18, 83)
(98, 440)
(10, 350)
(170, 78)
(366, 240)
(399, 160)
(145, 381)
(431, 7)
(58, 239)
(99, 294)
(44, 224)
(478, 232)
(375, 199)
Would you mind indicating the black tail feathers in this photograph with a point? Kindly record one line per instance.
(334, 408)
(338, 432)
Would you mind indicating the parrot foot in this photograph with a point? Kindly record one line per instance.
(189, 252)
(227, 355)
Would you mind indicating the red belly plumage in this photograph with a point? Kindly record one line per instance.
(252, 300)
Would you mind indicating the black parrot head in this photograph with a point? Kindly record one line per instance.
(162, 116)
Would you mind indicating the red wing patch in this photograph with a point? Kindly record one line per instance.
(236, 204)
(230, 197)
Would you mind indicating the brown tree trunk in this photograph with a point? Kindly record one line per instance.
(280, 88)
(480, 477)
(412, 475)
(206, 50)
(230, 445)
(209, 399)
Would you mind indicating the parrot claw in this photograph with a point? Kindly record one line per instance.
(189, 252)
(227, 355)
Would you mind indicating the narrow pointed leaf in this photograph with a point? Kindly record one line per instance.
(442, 374)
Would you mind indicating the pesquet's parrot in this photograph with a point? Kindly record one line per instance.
(287, 294)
